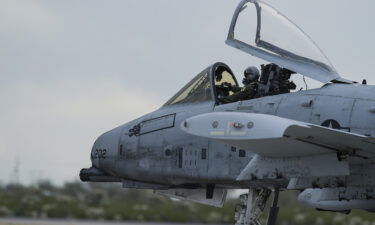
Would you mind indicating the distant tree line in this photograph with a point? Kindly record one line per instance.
(111, 202)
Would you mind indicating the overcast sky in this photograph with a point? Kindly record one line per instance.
(71, 70)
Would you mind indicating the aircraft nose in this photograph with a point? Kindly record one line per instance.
(104, 150)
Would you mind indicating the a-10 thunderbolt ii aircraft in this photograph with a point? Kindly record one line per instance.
(196, 147)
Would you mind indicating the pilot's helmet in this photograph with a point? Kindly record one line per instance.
(251, 73)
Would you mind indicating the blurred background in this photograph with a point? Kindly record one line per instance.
(75, 203)
(71, 70)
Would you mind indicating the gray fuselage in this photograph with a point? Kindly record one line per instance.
(167, 155)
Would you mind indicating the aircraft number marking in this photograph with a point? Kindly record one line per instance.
(100, 153)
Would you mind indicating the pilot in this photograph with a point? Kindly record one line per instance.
(248, 91)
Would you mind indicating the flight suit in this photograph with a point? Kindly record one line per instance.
(245, 93)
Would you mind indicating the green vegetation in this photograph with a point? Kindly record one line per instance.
(111, 202)
(103, 201)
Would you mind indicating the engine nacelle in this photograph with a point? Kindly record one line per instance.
(338, 199)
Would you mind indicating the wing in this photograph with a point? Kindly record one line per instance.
(273, 136)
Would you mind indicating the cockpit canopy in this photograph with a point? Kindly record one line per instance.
(262, 31)
(200, 88)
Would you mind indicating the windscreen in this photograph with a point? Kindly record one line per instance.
(197, 90)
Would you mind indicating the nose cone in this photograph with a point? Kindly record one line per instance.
(105, 148)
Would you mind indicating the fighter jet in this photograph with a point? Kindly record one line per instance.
(197, 146)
